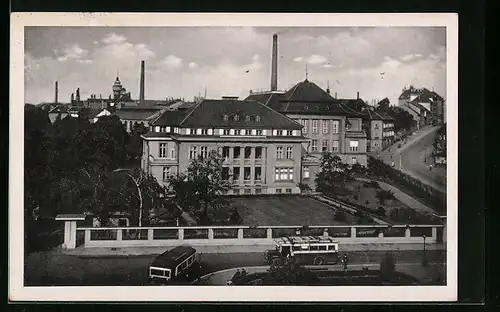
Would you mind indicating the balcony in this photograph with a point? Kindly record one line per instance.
(355, 134)
(162, 160)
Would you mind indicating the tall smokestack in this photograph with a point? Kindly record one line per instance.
(357, 95)
(141, 99)
(56, 93)
(274, 64)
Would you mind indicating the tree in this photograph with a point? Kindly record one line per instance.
(289, 274)
(384, 105)
(204, 182)
(134, 146)
(334, 174)
(304, 188)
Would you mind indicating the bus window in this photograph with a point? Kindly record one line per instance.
(157, 272)
(322, 247)
(304, 247)
(331, 247)
(296, 248)
(314, 248)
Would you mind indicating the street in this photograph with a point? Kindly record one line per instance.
(411, 158)
(65, 270)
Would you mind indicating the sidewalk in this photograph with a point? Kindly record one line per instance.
(403, 197)
(137, 251)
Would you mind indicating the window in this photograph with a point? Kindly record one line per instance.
(305, 123)
(246, 173)
(225, 152)
(258, 152)
(247, 118)
(305, 174)
(322, 247)
(225, 132)
(166, 173)
(279, 152)
(193, 151)
(283, 174)
(314, 248)
(314, 145)
(204, 131)
(236, 152)
(225, 173)
(353, 146)
(236, 117)
(172, 153)
(324, 146)
(335, 146)
(226, 117)
(258, 174)
(204, 151)
(248, 152)
(236, 174)
(248, 191)
(289, 132)
(278, 191)
(325, 126)
(315, 126)
(354, 160)
(335, 126)
(259, 132)
(289, 152)
(163, 149)
(331, 247)
(288, 191)
(246, 132)
(258, 191)
(257, 118)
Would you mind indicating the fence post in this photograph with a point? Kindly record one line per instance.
(269, 233)
(210, 233)
(407, 232)
(150, 234)
(381, 234)
(119, 234)
(180, 234)
(240, 233)
(353, 232)
(87, 237)
(434, 234)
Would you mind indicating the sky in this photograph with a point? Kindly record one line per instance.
(181, 62)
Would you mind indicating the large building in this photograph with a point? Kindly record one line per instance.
(426, 107)
(379, 128)
(262, 148)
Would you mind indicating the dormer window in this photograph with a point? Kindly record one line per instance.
(257, 118)
(236, 117)
(247, 118)
(226, 117)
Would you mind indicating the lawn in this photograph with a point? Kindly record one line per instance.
(286, 210)
(357, 192)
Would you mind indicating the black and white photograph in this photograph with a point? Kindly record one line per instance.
(289, 157)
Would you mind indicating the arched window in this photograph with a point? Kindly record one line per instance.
(226, 117)
(247, 118)
(257, 118)
(236, 117)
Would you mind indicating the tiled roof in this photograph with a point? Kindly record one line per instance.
(137, 113)
(211, 113)
(305, 98)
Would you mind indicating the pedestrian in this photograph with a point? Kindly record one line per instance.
(345, 260)
(243, 272)
(236, 275)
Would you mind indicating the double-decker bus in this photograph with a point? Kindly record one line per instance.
(304, 250)
(172, 265)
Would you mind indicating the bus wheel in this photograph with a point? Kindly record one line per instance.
(276, 261)
(319, 260)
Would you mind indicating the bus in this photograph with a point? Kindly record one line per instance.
(172, 265)
(304, 250)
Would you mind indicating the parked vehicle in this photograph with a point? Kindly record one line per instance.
(173, 265)
(304, 250)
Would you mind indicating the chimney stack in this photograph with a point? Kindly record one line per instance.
(78, 94)
(274, 64)
(357, 95)
(141, 99)
(56, 100)
(335, 95)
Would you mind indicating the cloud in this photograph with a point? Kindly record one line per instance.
(328, 66)
(95, 42)
(74, 52)
(192, 65)
(410, 57)
(316, 59)
(172, 61)
(255, 57)
(114, 39)
(298, 59)
(84, 61)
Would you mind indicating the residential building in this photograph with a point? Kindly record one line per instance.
(379, 127)
(426, 107)
(328, 124)
(262, 148)
(132, 115)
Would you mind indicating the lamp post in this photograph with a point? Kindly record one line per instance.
(424, 260)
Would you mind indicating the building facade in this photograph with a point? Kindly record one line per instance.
(426, 107)
(379, 127)
(262, 148)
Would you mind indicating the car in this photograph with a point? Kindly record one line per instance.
(304, 250)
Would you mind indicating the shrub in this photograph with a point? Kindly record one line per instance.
(367, 202)
(381, 211)
(387, 267)
(340, 216)
(356, 197)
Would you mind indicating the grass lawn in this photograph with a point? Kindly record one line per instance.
(357, 193)
(286, 210)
